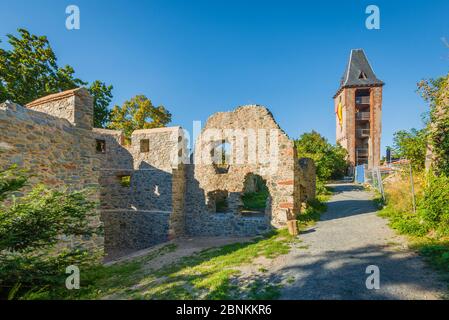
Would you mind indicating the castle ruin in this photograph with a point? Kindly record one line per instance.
(155, 189)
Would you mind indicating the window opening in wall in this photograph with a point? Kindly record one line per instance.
(217, 201)
(255, 195)
(221, 156)
(145, 145)
(125, 181)
(100, 145)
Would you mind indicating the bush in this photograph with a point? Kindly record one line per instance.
(432, 198)
(434, 204)
(30, 229)
(330, 160)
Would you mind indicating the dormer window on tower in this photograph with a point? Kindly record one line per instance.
(362, 75)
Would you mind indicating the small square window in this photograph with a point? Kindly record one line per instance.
(100, 145)
(125, 181)
(144, 145)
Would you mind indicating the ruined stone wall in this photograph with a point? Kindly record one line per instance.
(306, 174)
(115, 161)
(258, 146)
(151, 209)
(59, 153)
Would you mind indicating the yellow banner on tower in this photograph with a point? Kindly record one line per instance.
(340, 113)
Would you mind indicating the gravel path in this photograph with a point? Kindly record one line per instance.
(332, 259)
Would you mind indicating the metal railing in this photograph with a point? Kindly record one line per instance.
(362, 100)
(362, 115)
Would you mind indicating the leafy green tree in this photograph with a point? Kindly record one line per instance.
(138, 113)
(102, 95)
(436, 93)
(330, 160)
(411, 145)
(29, 70)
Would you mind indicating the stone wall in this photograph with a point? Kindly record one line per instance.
(148, 191)
(151, 207)
(258, 146)
(59, 152)
(307, 179)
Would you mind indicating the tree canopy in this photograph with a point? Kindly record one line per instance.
(29, 70)
(330, 160)
(138, 113)
(411, 145)
(436, 93)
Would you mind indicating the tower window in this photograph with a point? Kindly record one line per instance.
(144, 145)
(362, 75)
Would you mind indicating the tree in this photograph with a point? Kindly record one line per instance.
(30, 70)
(411, 145)
(102, 95)
(330, 160)
(436, 93)
(138, 113)
(30, 228)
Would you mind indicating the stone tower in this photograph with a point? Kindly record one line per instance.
(358, 110)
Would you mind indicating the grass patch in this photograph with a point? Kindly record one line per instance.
(209, 274)
(314, 209)
(255, 200)
(103, 280)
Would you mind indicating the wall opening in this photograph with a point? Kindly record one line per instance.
(100, 145)
(221, 156)
(125, 181)
(256, 196)
(145, 145)
(217, 201)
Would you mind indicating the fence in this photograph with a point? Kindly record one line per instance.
(375, 177)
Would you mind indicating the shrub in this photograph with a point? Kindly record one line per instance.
(30, 228)
(330, 160)
(434, 204)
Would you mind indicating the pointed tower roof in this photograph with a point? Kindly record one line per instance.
(359, 72)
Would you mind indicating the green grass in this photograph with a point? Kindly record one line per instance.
(435, 250)
(313, 211)
(212, 273)
(209, 274)
(102, 280)
(255, 200)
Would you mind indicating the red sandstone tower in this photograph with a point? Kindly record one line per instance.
(358, 109)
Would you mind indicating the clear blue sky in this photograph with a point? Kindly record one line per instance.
(198, 57)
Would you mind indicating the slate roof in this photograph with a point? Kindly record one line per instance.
(358, 72)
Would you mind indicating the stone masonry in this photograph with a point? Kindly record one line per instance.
(52, 138)
(152, 190)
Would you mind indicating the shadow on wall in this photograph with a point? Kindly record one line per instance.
(146, 219)
(217, 213)
(136, 205)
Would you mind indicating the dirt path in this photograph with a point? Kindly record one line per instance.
(332, 260)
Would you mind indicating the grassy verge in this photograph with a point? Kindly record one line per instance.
(435, 250)
(209, 274)
(314, 209)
